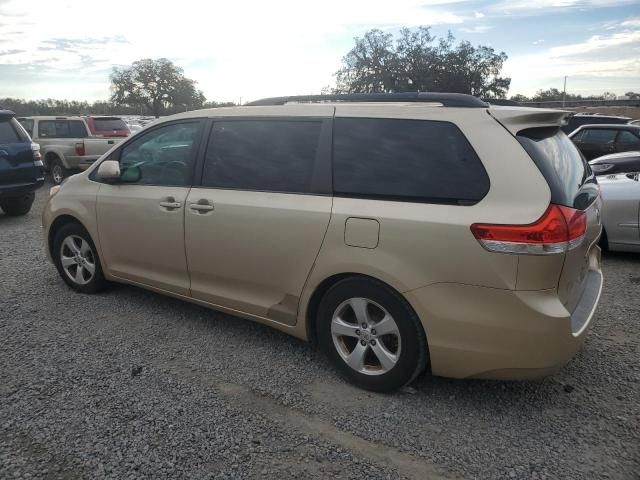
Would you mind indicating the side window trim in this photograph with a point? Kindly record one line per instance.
(116, 154)
(322, 181)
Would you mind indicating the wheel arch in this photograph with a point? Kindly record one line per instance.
(60, 222)
(50, 155)
(326, 284)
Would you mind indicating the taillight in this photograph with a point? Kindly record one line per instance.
(35, 148)
(559, 229)
(80, 149)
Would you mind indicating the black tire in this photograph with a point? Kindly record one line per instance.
(57, 171)
(604, 241)
(17, 206)
(412, 344)
(94, 283)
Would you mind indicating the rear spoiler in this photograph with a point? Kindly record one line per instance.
(516, 119)
(6, 114)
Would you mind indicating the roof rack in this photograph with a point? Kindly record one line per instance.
(446, 99)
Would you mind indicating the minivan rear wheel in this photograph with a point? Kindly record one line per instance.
(371, 334)
(76, 259)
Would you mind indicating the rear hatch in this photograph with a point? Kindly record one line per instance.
(572, 184)
(17, 163)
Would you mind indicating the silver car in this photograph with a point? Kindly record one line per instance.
(621, 211)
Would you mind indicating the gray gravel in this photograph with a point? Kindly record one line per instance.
(131, 384)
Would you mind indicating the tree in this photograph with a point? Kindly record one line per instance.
(419, 61)
(520, 98)
(632, 95)
(158, 85)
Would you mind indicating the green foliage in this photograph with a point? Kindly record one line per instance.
(419, 61)
(52, 106)
(555, 95)
(158, 85)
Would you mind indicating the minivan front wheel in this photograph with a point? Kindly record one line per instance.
(371, 334)
(75, 257)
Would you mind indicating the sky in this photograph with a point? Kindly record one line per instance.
(249, 49)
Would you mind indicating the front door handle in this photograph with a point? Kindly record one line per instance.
(201, 207)
(170, 204)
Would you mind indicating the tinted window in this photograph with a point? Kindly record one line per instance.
(62, 129)
(163, 156)
(27, 124)
(268, 155)
(104, 124)
(578, 136)
(598, 135)
(567, 173)
(627, 137)
(8, 133)
(406, 160)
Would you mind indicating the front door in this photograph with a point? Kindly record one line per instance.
(255, 226)
(141, 217)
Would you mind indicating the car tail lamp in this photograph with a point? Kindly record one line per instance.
(80, 149)
(558, 230)
(35, 148)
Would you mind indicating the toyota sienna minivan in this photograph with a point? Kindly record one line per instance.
(398, 231)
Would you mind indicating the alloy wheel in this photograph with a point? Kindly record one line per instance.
(366, 336)
(77, 259)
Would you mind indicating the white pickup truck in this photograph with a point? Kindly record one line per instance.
(65, 144)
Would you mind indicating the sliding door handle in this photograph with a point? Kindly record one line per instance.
(201, 207)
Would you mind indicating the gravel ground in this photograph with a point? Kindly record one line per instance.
(131, 384)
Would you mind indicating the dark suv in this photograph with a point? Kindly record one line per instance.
(580, 119)
(21, 170)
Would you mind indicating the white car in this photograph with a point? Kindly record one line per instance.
(621, 211)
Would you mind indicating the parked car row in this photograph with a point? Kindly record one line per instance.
(71, 144)
(612, 146)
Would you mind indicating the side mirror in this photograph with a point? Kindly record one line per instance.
(109, 170)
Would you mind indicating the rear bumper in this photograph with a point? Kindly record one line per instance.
(484, 332)
(18, 189)
(81, 163)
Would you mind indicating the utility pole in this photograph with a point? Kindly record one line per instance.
(564, 91)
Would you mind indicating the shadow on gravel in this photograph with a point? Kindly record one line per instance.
(472, 395)
(622, 256)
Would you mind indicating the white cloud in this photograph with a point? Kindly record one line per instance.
(244, 47)
(544, 6)
(609, 59)
(476, 29)
(478, 15)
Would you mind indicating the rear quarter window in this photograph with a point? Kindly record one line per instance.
(8, 132)
(569, 176)
(406, 160)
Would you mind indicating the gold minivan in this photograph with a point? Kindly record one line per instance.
(398, 231)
